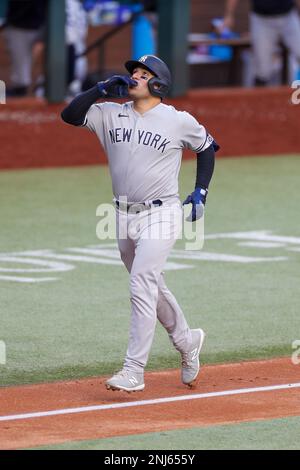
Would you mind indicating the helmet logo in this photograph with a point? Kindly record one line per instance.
(143, 59)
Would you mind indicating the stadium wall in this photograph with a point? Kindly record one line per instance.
(243, 121)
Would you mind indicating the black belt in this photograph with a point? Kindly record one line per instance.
(139, 205)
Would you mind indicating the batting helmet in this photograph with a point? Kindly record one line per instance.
(161, 83)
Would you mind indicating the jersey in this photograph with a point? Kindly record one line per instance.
(145, 151)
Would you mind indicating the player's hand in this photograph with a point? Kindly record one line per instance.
(228, 22)
(116, 86)
(197, 199)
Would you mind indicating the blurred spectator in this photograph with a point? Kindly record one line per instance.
(271, 21)
(150, 7)
(25, 23)
(76, 35)
(76, 30)
(144, 30)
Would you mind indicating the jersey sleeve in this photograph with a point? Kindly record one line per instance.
(194, 136)
(94, 117)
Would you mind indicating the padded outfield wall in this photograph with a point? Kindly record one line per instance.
(243, 121)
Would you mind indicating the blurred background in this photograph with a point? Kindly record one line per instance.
(233, 64)
(56, 48)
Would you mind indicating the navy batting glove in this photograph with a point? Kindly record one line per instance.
(197, 199)
(116, 86)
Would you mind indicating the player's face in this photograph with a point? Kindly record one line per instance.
(141, 76)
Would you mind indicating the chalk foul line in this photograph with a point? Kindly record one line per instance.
(155, 401)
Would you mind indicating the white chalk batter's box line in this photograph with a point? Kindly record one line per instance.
(155, 401)
(51, 262)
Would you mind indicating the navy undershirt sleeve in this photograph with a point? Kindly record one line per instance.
(76, 111)
(205, 167)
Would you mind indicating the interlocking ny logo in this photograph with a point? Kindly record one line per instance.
(2, 92)
(144, 58)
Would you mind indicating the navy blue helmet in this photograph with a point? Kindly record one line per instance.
(160, 84)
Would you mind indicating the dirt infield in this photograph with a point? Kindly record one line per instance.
(78, 410)
(243, 121)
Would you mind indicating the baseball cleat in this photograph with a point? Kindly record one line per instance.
(126, 380)
(190, 360)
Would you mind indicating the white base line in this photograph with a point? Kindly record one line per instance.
(155, 401)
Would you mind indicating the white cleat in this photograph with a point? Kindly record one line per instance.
(190, 360)
(126, 380)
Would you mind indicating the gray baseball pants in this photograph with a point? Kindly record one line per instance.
(266, 32)
(146, 241)
(20, 43)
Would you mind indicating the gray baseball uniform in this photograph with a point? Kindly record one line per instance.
(144, 154)
(144, 151)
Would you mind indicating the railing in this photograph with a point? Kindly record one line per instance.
(101, 41)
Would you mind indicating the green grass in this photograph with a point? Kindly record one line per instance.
(77, 326)
(276, 434)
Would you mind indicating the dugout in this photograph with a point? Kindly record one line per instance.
(187, 17)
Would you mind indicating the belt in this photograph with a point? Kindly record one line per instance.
(137, 207)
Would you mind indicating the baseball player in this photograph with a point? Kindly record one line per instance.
(143, 139)
(271, 21)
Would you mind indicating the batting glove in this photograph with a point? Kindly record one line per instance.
(116, 86)
(197, 199)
